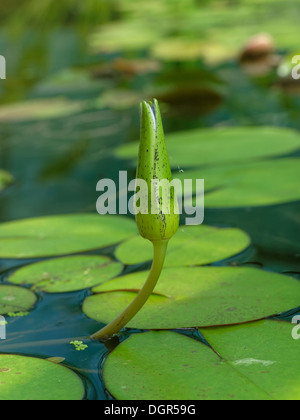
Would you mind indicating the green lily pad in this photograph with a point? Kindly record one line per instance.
(196, 296)
(123, 36)
(5, 179)
(118, 99)
(192, 245)
(259, 362)
(63, 234)
(169, 366)
(15, 299)
(178, 49)
(67, 81)
(252, 184)
(37, 109)
(67, 274)
(29, 378)
(223, 145)
(223, 30)
(264, 352)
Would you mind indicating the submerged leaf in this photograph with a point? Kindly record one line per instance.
(188, 100)
(56, 360)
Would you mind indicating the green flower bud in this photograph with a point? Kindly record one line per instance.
(158, 219)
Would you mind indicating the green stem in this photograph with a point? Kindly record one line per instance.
(160, 249)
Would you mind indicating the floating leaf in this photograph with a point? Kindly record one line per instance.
(222, 145)
(260, 362)
(63, 234)
(170, 366)
(78, 345)
(197, 296)
(15, 299)
(17, 314)
(192, 245)
(264, 353)
(37, 109)
(252, 184)
(178, 49)
(5, 179)
(118, 99)
(27, 378)
(67, 81)
(67, 274)
(123, 36)
(223, 27)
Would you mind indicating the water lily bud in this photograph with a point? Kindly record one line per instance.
(158, 218)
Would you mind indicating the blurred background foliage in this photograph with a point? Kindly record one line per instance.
(76, 71)
(41, 38)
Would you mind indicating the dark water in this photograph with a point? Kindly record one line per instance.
(56, 165)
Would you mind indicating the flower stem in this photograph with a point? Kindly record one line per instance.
(160, 249)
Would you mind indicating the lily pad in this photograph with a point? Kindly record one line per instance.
(196, 296)
(223, 27)
(67, 81)
(192, 245)
(259, 362)
(264, 352)
(63, 234)
(28, 378)
(253, 184)
(37, 109)
(118, 99)
(223, 145)
(15, 299)
(123, 36)
(67, 274)
(178, 49)
(5, 179)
